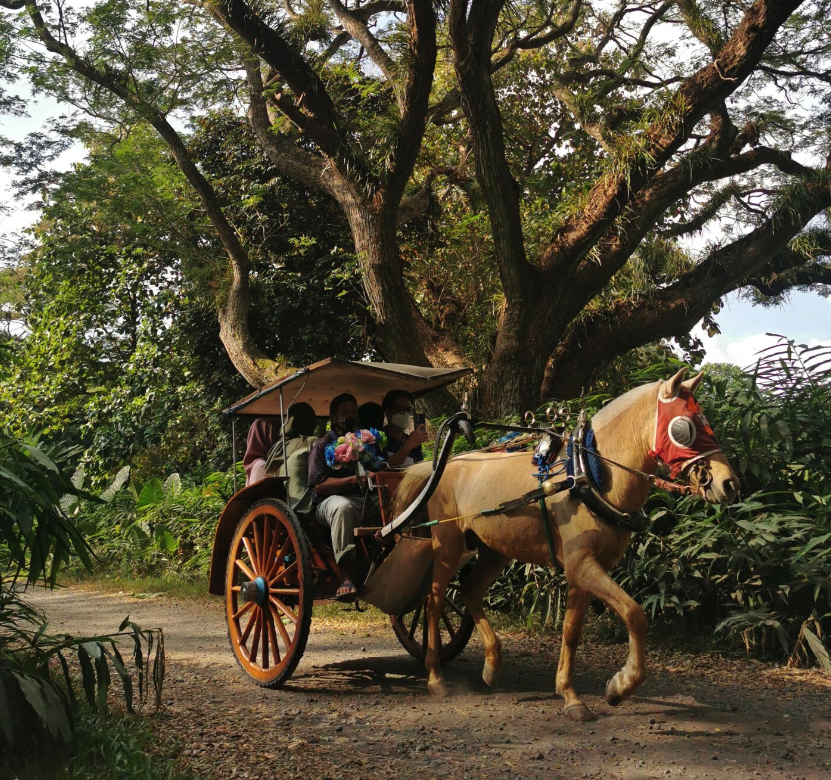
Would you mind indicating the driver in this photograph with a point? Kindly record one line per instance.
(338, 499)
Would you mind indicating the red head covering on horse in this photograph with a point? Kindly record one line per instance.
(682, 433)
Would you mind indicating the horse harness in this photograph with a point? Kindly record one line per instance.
(683, 437)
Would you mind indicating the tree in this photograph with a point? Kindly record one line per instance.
(121, 357)
(601, 139)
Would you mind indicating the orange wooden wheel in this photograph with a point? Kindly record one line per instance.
(268, 594)
(456, 627)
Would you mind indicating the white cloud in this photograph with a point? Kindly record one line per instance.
(744, 352)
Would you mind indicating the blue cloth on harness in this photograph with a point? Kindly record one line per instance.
(592, 460)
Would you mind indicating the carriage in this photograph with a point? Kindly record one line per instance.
(272, 562)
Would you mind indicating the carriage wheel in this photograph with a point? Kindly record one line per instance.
(268, 593)
(456, 627)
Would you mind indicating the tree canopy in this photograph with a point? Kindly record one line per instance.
(534, 188)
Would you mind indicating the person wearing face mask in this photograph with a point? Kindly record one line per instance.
(403, 449)
(339, 493)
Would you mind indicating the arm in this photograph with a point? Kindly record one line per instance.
(338, 486)
(414, 440)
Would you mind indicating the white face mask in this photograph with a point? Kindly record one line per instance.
(402, 420)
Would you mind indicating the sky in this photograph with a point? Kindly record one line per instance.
(804, 317)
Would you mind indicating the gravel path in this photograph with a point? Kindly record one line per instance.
(357, 707)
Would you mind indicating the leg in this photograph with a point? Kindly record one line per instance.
(447, 551)
(592, 577)
(488, 567)
(578, 602)
(342, 514)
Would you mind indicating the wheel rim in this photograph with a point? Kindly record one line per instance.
(264, 593)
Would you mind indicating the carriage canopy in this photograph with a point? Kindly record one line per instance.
(320, 382)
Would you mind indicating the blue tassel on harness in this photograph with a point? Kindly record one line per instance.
(592, 460)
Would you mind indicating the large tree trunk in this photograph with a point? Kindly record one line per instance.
(511, 384)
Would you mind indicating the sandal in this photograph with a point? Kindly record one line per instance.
(346, 592)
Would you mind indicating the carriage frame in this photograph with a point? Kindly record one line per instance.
(272, 565)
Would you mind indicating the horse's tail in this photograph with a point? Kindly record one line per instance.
(414, 481)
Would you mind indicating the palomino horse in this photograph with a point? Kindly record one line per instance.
(634, 431)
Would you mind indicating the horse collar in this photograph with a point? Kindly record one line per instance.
(587, 476)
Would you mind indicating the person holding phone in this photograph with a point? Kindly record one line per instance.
(403, 448)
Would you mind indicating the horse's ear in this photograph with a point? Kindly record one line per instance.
(669, 389)
(693, 383)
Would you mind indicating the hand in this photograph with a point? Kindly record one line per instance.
(362, 482)
(417, 437)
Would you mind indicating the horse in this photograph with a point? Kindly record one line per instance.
(634, 432)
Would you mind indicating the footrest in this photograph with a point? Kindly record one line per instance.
(368, 531)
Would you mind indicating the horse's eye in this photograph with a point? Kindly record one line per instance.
(682, 431)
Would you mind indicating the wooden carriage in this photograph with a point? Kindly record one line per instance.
(272, 563)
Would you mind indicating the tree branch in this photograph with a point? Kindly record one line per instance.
(321, 121)
(288, 158)
(673, 310)
(696, 96)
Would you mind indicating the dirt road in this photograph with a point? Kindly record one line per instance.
(357, 707)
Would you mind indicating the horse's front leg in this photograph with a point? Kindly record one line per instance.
(447, 553)
(489, 565)
(592, 577)
(576, 606)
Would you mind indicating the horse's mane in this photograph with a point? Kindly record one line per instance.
(623, 402)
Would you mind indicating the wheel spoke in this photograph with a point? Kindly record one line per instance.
(255, 640)
(285, 591)
(268, 546)
(245, 570)
(275, 648)
(274, 564)
(414, 624)
(283, 574)
(264, 621)
(283, 608)
(446, 621)
(247, 630)
(257, 547)
(239, 613)
(452, 604)
(281, 627)
(251, 557)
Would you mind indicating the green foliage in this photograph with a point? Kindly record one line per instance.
(37, 538)
(157, 527)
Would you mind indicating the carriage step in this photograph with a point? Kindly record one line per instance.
(368, 531)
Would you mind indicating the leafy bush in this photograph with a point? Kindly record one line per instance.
(160, 526)
(36, 539)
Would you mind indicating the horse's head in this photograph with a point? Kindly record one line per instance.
(685, 441)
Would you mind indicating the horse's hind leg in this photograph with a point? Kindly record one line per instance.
(592, 577)
(576, 606)
(489, 565)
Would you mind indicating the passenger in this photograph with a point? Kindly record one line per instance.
(371, 415)
(402, 449)
(261, 437)
(339, 500)
(298, 430)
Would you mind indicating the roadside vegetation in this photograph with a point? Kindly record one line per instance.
(753, 576)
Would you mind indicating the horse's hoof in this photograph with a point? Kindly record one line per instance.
(613, 698)
(438, 689)
(579, 713)
(489, 674)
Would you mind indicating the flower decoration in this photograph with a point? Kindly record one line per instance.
(365, 446)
